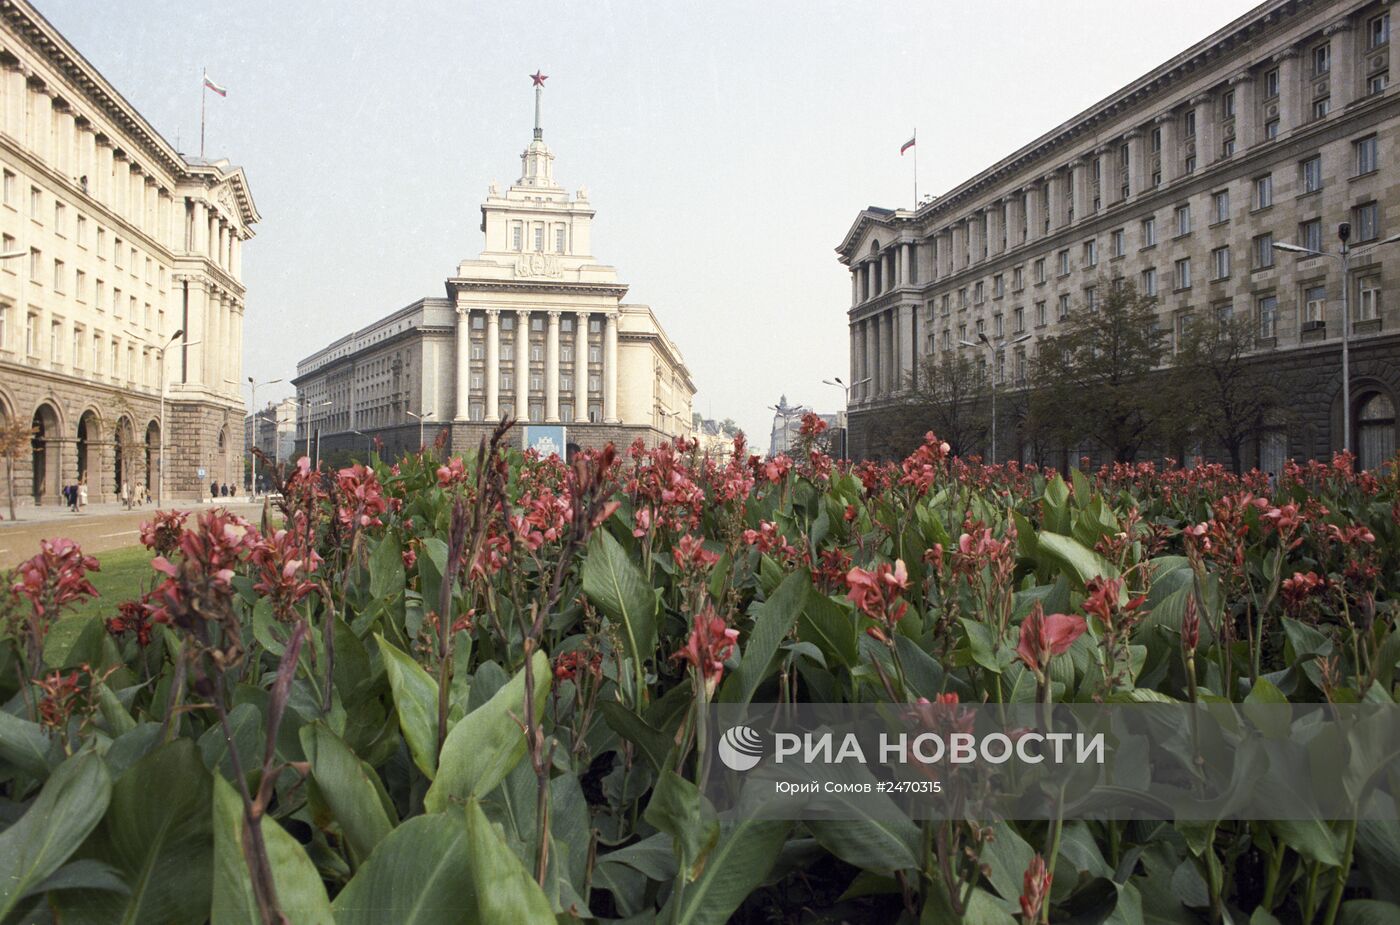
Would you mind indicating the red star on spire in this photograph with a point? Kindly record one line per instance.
(539, 78)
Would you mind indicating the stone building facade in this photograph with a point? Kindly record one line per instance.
(110, 242)
(532, 329)
(1277, 128)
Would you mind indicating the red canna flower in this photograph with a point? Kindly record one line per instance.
(711, 643)
(876, 593)
(57, 576)
(1043, 637)
(1035, 890)
(361, 496)
(162, 534)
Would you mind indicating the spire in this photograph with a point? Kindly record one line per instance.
(539, 80)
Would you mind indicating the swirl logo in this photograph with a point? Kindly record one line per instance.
(740, 748)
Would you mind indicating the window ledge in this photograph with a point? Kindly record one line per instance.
(1255, 270)
(1362, 176)
(1307, 193)
(1260, 210)
(1217, 224)
(1181, 289)
(1266, 343)
(1147, 247)
(1369, 326)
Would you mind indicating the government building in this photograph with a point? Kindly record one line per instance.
(534, 329)
(1276, 129)
(111, 244)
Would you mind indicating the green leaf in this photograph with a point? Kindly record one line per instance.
(159, 835)
(773, 620)
(831, 627)
(66, 811)
(419, 875)
(654, 743)
(24, 745)
(679, 809)
(486, 743)
(416, 702)
(1074, 558)
(386, 571)
(1368, 912)
(739, 864)
(74, 641)
(300, 894)
(349, 788)
(505, 892)
(615, 585)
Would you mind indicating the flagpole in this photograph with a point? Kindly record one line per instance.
(203, 92)
(916, 169)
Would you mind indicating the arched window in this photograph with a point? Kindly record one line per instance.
(1376, 431)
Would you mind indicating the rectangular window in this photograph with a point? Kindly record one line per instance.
(1314, 304)
(36, 263)
(1155, 140)
(981, 327)
(1271, 129)
(1378, 31)
(59, 225)
(1220, 263)
(1368, 302)
(80, 285)
(997, 325)
(1263, 251)
(998, 286)
(516, 240)
(1064, 262)
(77, 348)
(1190, 163)
(58, 276)
(80, 233)
(595, 354)
(1227, 104)
(1366, 150)
(946, 304)
(117, 252)
(1183, 273)
(55, 335)
(1310, 235)
(1091, 298)
(559, 240)
(962, 298)
(1040, 270)
(1366, 221)
(1120, 242)
(1227, 147)
(1149, 231)
(1189, 124)
(595, 383)
(31, 335)
(9, 181)
(1183, 219)
(1019, 319)
(1264, 191)
(1091, 253)
(116, 302)
(36, 203)
(1377, 83)
(1311, 173)
(1322, 59)
(1268, 316)
(1063, 307)
(979, 293)
(1271, 84)
(539, 238)
(1220, 206)
(1149, 281)
(1018, 281)
(536, 353)
(1321, 107)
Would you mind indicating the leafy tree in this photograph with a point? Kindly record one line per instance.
(949, 398)
(1099, 376)
(16, 439)
(1228, 391)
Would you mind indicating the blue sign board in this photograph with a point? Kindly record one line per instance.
(545, 439)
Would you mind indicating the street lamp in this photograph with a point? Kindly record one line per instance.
(994, 350)
(253, 401)
(369, 444)
(420, 418)
(160, 460)
(1343, 255)
(787, 413)
(845, 409)
(313, 425)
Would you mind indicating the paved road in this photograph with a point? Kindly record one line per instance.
(99, 528)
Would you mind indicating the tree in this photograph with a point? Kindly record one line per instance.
(1229, 391)
(1100, 378)
(16, 439)
(950, 398)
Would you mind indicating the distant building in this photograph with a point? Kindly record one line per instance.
(533, 329)
(713, 439)
(1275, 129)
(787, 426)
(112, 241)
(276, 426)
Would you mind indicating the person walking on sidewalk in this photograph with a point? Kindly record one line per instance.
(82, 494)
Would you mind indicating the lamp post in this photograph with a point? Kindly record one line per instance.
(845, 409)
(420, 418)
(160, 459)
(994, 350)
(787, 413)
(253, 401)
(1343, 255)
(369, 444)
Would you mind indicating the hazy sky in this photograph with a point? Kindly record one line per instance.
(727, 146)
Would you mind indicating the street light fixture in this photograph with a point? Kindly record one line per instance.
(369, 443)
(845, 409)
(160, 460)
(787, 414)
(420, 418)
(1344, 256)
(994, 349)
(253, 401)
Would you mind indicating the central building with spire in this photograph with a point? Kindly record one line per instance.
(533, 328)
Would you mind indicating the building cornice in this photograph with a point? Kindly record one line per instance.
(461, 284)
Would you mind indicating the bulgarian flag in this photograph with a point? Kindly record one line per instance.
(906, 146)
(213, 86)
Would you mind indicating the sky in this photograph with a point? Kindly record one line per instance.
(727, 146)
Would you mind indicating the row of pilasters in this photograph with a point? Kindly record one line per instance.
(883, 353)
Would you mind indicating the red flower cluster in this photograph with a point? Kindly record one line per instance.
(132, 617)
(361, 496)
(1043, 637)
(285, 562)
(453, 472)
(923, 466)
(777, 468)
(56, 577)
(876, 594)
(162, 534)
(1102, 602)
(711, 644)
(812, 425)
(1035, 889)
(690, 554)
(568, 665)
(1299, 589)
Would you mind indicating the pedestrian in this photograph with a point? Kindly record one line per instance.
(213, 490)
(70, 497)
(126, 495)
(82, 494)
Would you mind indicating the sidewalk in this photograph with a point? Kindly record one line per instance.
(29, 514)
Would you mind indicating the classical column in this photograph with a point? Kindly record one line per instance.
(493, 364)
(1055, 186)
(992, 219)
(1139, 172)
(522, 364)
(1083, 196)
(581, 367)
(1170, 154)
(551, 370)
(872, 329)
(908, 350)
(960, 252)
(1207, 145)
(1108, 175)
(1246, 112)
(898, 256)
(610, 370)
(887, 354)
(1035, 221)
(855, 287)
(464, 364)
(1015, 219)
(1289, 104)
(1343, 63)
